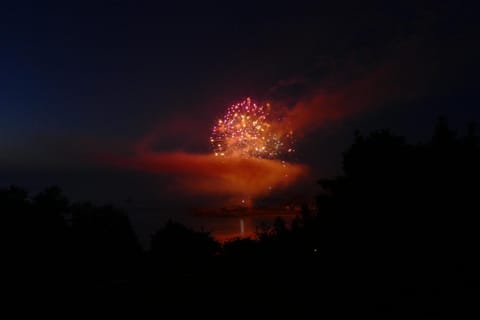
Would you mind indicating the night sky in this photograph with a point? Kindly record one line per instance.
(115, 101)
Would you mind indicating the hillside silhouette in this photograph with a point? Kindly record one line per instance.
(395, 234)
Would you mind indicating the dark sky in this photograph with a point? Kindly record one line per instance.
(84, 81)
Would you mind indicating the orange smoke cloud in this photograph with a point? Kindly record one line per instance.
(207, 174)
(411, 72)
(406, 75)
(364, 94)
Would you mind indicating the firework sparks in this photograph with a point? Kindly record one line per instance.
(247, 131)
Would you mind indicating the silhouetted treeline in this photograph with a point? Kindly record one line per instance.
(396, 233)
(407, 216)
(56, 244)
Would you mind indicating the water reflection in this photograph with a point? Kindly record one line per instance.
(230, 226)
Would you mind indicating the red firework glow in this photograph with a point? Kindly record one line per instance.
(248, 144)
(235, 177)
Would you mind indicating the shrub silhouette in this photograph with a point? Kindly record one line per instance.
(181, 248)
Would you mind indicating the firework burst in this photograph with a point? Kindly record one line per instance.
(250, 130)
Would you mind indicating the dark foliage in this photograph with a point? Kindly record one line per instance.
(397, 233)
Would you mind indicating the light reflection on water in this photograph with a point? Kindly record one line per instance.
(223, 227)
(230, 227)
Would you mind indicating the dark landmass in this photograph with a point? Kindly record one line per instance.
(395, 236)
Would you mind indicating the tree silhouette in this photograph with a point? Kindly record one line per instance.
(398, 228)
(404, 209)
(104, 242)
(182, 249)
(15, 209)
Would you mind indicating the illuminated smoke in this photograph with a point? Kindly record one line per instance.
(250, 149)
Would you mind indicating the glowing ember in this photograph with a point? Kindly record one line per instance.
(247, 130)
